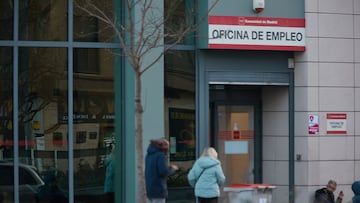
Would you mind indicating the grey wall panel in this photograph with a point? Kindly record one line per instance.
(246, 67)
(246, 61)
(231, 77)
(273, 8)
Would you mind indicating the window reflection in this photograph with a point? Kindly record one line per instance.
(43, 103)
(179, 16)
(93, 123)
(43, 20)
(6, 20)
(86, 61)
(88, 27)
(180, 122)
(6, 125)
(43, 124)
(42, 76)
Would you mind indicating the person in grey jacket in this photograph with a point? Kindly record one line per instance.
(206, 176)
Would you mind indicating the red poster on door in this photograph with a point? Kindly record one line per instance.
(236, 134)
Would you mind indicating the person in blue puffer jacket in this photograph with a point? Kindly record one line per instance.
(356, 189)
(157, 170)
(206, 176)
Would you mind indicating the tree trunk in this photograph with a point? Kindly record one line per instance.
(139, 139)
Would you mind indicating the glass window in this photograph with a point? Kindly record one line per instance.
(93, 20)
(7, 176)
(179, 16)
(6, 124)
(180, 119)
(6, 20)
(42, 77)
(43, 20)
(94, 108)
(6, 108)
(86, 61)
(42, 92)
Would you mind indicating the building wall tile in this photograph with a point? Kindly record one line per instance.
(276, 172)
(313, 152)
(306, 74)
(335, 6)
(339, 25)
(336, 50)
(321, 172)
(357, 75)
(306, 99)
(336, 148)
(356, 6)
(301, 175)
(357, 149)
(275, 123)
(312, 24)
(336, 99)
(275, 148)
(357, 125)
(336, 74)
(311, 5)
(357, 101)
(280, 194)
(312, 51)
(357, 50)
(301, 123)
(357, 26)
(357, 170)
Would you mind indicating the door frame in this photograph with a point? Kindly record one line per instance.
(257, 130)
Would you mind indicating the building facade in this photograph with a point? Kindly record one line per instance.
(274, 86)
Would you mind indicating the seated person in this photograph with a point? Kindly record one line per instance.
(326, 194)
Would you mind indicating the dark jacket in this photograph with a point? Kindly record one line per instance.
(356, 189)
(325, 196)
(156, 172)
(50, 192)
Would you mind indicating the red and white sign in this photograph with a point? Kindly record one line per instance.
(336, 123)
(313, 124)
(256, 33)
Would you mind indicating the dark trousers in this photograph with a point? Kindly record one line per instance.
(110, 197)
(208, 200)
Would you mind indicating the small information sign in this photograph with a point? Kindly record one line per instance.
(336, 123)
(313, 126)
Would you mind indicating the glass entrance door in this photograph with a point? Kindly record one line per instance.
(234, 138)
(235, 126)
(234, 130)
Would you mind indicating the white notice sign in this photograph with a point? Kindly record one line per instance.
(236, 147)
(336, 123)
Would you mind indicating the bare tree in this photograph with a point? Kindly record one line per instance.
(138, 35)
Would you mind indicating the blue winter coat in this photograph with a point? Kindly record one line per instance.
(207, 185)
(356, 189)
(156, 172)
(109, 175)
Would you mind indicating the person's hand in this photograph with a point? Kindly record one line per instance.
(341, 194)
(174, 167)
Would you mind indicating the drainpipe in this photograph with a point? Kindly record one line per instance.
(291, 138)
